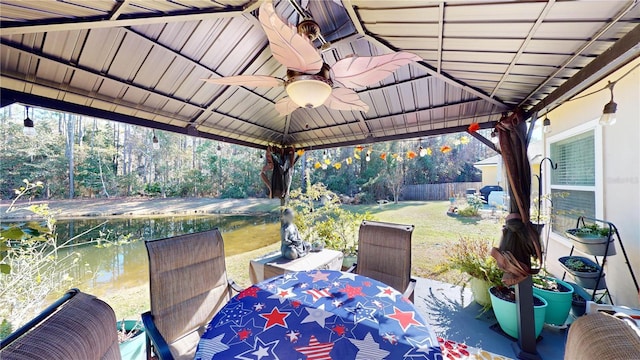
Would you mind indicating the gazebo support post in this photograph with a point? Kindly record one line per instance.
(525, 347)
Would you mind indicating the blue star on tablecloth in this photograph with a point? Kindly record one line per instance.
(233, 314)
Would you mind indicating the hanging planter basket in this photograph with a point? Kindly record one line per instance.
(591, 243)
(584, 271)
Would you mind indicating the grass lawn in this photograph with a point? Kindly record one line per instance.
(433, 230)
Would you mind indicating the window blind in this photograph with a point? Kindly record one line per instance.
(569, 205)
(576, 161)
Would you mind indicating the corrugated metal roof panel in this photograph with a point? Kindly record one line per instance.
(152, 68)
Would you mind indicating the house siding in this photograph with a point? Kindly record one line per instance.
(619, 175)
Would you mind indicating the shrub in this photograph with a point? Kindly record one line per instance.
(320, 217)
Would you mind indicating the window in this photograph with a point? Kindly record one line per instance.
(574, 183)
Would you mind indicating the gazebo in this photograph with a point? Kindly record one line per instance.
(141, 62)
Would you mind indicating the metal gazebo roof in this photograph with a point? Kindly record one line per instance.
(141, 61)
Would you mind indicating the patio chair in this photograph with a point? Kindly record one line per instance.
(384, 254)
(188, 284)
(78, 326)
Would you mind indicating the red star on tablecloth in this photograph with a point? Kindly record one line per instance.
(244, 334)
(316, 350)
(250, 291)
(366, 283)
(339, 329)
(352, 291)
(405, 318)
(275, 318)
(296, 304)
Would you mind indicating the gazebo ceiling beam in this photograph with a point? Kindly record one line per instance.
(582, 48)
(620, 53)
(12, 96)
(439, 107)
(525, 43)
(374, 40)
(166, 97)
(192, 61)
(394, 84)
(413, 135)
(484, 140)
(101, 22)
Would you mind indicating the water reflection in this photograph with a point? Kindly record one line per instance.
(111, 268)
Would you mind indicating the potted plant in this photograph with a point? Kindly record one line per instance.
(131, 343)
(592, 240)
(503, 300)
(471, 256)
(558, 295)
(584, 271)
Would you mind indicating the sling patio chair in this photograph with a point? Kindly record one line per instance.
(188, 285)
(384, 254)
(78, 326)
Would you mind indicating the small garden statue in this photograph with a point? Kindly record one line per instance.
(293, 246)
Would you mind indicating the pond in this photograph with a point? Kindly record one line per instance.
(112, 251)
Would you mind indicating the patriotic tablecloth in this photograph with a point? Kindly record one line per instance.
(318, 315)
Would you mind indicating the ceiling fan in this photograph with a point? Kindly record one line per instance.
(310, 81)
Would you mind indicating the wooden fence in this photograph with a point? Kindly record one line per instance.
(437, 191)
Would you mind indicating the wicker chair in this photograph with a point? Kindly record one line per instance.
(188, 284)
(384, 254)
(600, 336)
(78, 326)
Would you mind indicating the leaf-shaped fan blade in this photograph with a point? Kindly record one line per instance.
(363, 71)
(345, 100)
(286, 106)
(291, 49)
(248, 80)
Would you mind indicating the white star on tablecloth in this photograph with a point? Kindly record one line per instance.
(260, 350)
(283, 294)
(258, 307)
(420, 349)
(318, 315)
(348, 275)
(361, 313)
(368, 348)
(209, 347)
(388, 292)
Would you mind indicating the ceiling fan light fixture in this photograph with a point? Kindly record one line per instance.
(309, 91)
(310, 29)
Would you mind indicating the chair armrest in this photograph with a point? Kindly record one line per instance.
(408, 293)
(235, 287)
(160, 346)
(353, 268)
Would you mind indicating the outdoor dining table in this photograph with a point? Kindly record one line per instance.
(320, 314)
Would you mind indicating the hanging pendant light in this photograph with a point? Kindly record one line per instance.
(494, 137)
(29, 128)
(546, 125)
(155, 143)
(609, 112)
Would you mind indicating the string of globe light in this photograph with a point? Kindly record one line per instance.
(608, 118)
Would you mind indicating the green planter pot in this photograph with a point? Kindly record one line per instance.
(559, 303)
(592, 244)
(348, 261)
(507, 314)
(480, 291)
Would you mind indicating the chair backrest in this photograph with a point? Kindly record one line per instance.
(77, 327)
(384, 253)
(188, 284)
